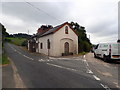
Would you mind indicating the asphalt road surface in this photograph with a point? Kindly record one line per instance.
(39, 71)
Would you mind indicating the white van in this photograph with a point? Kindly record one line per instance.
(107, 51)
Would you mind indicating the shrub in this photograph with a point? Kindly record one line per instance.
(24, 43)
(7, 40)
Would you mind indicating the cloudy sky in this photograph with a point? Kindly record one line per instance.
(99, 17)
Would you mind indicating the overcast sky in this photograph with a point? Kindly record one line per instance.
(99, 17)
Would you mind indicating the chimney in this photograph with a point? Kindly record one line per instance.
(44, 28)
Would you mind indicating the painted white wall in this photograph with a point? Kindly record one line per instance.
(44, 41)
(60, 38)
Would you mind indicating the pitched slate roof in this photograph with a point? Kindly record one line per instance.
(53, 30)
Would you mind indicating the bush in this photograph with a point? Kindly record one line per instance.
(7, 40)
(82, 53)
(24, 43)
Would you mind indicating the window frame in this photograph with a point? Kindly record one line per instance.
(66, 29)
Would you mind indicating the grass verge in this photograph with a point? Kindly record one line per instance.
(4, 59)
(83, 53)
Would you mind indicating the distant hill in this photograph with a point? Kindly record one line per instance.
(20, 35)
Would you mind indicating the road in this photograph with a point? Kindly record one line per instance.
(37, 71)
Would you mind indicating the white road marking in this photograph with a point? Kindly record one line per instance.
(96, 78)
(64, 58)
(87, 63)
(104, 86)
(87, 67)
(21, 53)
(84, 60)
(28, 57)
(84, 56)
(89, 71)
(61, 67)
(18, 81)
(49, 60)
(116, 84)
(41, 60)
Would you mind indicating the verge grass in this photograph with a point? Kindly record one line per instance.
(4, 59)
(83, 53)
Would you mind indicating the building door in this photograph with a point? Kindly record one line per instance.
(66, 48)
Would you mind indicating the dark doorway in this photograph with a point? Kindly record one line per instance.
(66, 48)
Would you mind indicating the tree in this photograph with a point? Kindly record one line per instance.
(4, 33)
(84, 43)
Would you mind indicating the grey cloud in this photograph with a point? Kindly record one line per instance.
(65, 11)
(104, 28)
(31, 14)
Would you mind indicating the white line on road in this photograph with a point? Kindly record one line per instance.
(49, 60)
(84, 60)
(59, 58)
(96, 78)
(104, 86)
(64, 58)
(61, 67)
(18, 81)
(41, 60)
(21, 53)
(84, 56)
(28, 57)
(89, 71)
(87, 67)
(87, 63)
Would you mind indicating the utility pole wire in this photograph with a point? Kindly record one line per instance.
(42, 11)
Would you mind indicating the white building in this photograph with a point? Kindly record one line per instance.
(57, 41)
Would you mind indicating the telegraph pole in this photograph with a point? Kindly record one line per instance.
(28, 32)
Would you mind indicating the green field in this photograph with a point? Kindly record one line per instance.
(16, 41)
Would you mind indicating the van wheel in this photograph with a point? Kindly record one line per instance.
(95, 56)
(105, 58)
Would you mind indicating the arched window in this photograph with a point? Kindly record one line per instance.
(66, 30)
(48, 44)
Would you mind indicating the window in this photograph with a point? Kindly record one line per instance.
(66, 30)
(41, 45)
(48, 44)
(97, 46)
